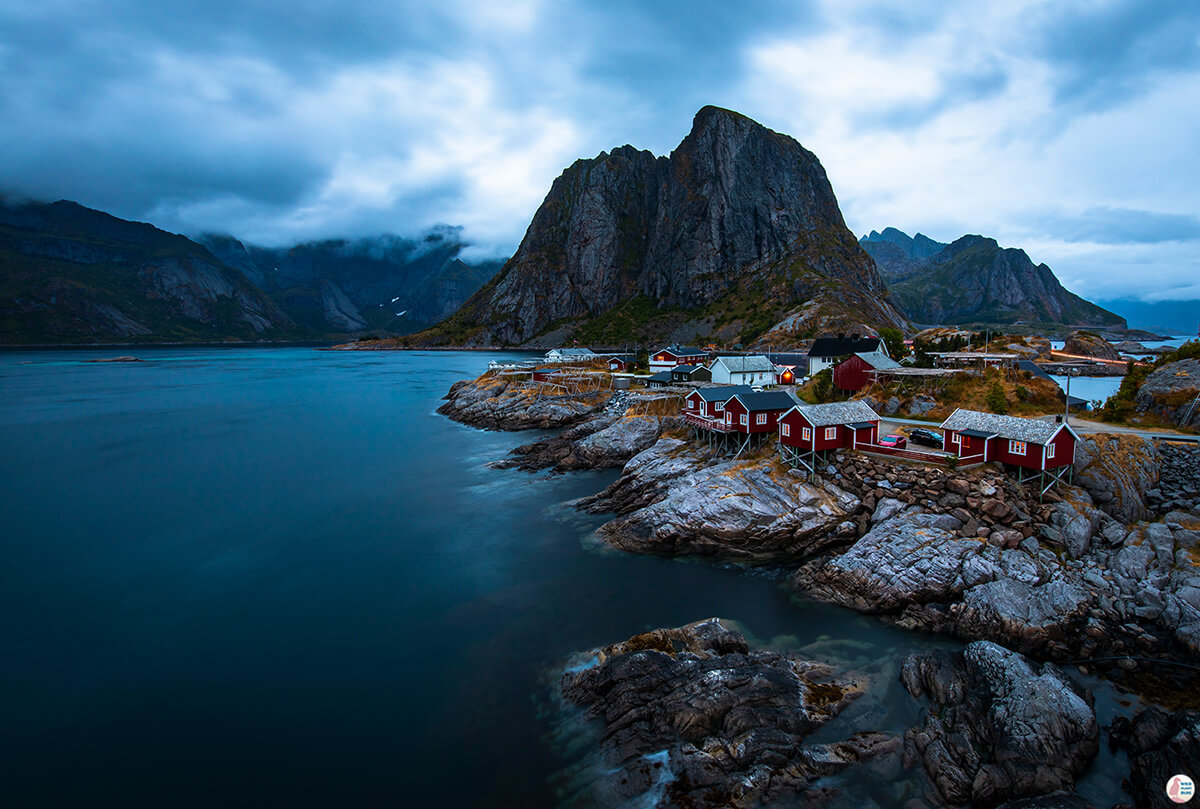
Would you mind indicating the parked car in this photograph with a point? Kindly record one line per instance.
(893, 441)
(927, 437)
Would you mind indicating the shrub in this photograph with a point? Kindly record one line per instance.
(996, 401)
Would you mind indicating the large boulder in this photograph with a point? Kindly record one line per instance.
(1086, 344)
(1168, 392)
(693, 717)
(1118, 470)
(750, 510)
(999, 727)
(496, 402)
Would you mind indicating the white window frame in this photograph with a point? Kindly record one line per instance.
(831, 433)
(1017, 447)
(745, 420)
(1049, 451)
(806, 434)
(761, 418)
(719, 407)
(785, 429)
(955, 439)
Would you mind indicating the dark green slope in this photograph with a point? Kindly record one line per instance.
(69, 274)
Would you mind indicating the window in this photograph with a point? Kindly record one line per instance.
(831, 433)
(1049, 451)
(719, 406)
(785, 429)
(745, 420)
(1016, 447)
(954, 439)
(761, 418)
(807, 434)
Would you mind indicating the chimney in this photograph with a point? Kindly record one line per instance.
(854, 336)
(841, 335)
(1058, 419)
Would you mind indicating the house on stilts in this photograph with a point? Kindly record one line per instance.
(1041, 451)
(808, 433)
(734, 424)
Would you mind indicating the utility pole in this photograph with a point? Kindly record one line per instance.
(1067, 406)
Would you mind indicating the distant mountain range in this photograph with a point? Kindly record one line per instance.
(736, 236)
(382, 284)
(974, 281)
(75, 275)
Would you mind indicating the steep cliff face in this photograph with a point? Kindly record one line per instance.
(738, 229)
(72, 274)
(975, 281)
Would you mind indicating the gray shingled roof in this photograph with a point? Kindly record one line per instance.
(877, 360)
(746, 364)
(825, 415)
(767, 400)
(1033, 431)
(722, 393)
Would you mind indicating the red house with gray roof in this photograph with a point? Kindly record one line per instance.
(1025, 443)
(821, 427)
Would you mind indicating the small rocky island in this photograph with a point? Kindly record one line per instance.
(1101, 577)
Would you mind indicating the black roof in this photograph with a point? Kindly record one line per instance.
(622, 357)
(686, 369)
(683, 351)
(842, 346)
(1037, 370)
(766, 400)
(721, 393)
(977, 433)
(661, 376)
(797, 360)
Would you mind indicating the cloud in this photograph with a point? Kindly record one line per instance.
(1065, 128)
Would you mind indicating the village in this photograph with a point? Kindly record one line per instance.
(843, 394)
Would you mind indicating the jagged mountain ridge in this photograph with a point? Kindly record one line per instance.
(384, 283)
(738, 229)
(975, 281)
(73, 274)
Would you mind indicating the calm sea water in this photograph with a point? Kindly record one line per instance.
(274, 577)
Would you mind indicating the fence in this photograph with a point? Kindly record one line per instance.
(937, 459)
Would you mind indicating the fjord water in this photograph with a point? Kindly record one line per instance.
(275, 577)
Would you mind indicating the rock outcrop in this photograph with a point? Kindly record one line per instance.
(1169, 392)
(1118, 470)
(974, 280)
(496, 402)
(1160, 745)
(676, 499)
(998, 727)
(1087, 344)
(693, 717)
(737, 215)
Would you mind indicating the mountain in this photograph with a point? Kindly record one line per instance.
(75, 275)
(382, 283)
(974, 281)
(1165, 317)
(735, 234)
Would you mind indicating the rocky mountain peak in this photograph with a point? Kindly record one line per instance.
(735, 206)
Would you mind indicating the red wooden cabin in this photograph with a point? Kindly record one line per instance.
(621, 362)
(754, 413)
(837, 425)
(667, 358)
(709, 403)
(1046, 447)
(854, 372)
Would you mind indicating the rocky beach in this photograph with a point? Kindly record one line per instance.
(1102, 576)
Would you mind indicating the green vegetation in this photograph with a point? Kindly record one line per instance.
(1121, 406)
(894, 340)
(997, 402)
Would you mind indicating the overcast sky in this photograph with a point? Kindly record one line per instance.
(1068, 128)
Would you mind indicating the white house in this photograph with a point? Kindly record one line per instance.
(569, 355)
(756, 370)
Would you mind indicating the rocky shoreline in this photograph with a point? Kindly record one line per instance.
(1104, 575)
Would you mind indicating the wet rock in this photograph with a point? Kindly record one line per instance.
(1160, 745)
(999, 727)
(1168, 392)
(693, 717)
